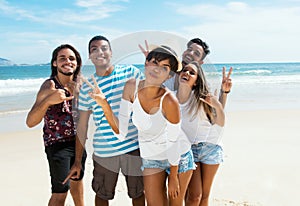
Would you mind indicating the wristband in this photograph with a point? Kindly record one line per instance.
(226, 92)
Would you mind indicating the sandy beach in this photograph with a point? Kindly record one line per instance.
(261, 156)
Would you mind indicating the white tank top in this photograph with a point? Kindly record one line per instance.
(198, 128)
(154, 137)
(152, 127)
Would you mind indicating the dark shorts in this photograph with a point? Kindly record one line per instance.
(61, 157)
(106, 173)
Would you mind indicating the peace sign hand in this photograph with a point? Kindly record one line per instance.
(226, 80)
(96, 92)
(145, 51)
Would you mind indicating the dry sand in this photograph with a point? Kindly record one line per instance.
(260, 168)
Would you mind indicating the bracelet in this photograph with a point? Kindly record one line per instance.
(226, 92)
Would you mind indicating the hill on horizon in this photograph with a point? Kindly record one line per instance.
(5, 62)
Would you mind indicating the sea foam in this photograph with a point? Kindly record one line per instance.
(19, 86)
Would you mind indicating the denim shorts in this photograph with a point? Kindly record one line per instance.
(158, 164)
(207, 153)
(186, 163)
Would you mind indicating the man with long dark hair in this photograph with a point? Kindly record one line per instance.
(54, 105)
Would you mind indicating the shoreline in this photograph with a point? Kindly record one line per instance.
(261, 148)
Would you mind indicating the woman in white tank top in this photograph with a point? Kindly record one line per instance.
(156, 114)
(203, 119)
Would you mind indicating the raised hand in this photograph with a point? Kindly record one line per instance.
(96, 92)
(226, 80)
(145, 51)
(56, 96)
(212, 100)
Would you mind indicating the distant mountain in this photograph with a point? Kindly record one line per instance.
(5, 62)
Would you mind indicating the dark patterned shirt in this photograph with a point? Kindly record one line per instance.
(58, 121)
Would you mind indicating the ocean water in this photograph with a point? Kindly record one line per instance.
(255, 85)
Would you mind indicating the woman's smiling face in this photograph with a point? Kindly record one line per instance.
(189, 75)
(157, 72)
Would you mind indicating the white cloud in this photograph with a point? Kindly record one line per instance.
(244, 31)
(89, 3)
(237, 6)
(95, 3)
(36, 47)
(16, 12)
(236, 32)
(87, 11)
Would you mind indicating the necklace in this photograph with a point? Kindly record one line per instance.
(56, 77)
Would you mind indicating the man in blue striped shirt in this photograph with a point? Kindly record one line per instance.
(110, 154)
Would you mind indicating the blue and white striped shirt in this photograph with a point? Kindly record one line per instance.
(105, 143)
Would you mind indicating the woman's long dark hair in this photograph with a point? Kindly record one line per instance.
(54, 58)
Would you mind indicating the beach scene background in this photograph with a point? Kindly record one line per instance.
(259, 39)
(261, 138)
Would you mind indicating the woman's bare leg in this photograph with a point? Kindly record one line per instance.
(194, 190)
(155, 187)
(184, 179)
(208, 175)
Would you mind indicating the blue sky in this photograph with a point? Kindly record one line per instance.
(236, 31)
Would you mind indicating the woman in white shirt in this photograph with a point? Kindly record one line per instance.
(156, 114)
(203, 119)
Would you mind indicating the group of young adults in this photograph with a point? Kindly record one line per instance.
(161, 129)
